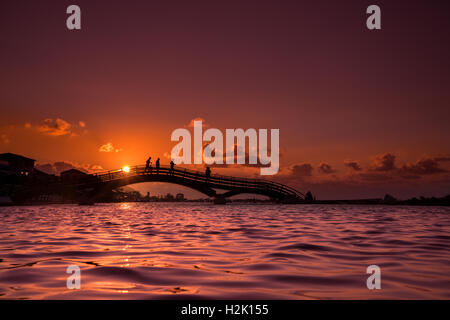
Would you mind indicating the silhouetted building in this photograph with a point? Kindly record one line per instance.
(127, 196)
(169, 197)
(16, 164)
(73, 175)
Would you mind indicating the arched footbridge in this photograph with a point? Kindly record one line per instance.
(196, 180)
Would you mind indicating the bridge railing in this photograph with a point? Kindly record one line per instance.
(216, 179)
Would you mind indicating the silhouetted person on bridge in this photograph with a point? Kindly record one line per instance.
(148, 165)
(208, 172)
(172, 164)
(157, 166)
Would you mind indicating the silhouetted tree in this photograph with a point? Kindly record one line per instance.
(389, 198)
(309, 196)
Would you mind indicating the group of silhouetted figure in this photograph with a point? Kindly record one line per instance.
(148, 167)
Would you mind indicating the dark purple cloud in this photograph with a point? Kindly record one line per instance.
(46, 167)
(385, 162)
(353, 165)
(301, 170)
(325, 168)
(60, 166)
(423, 166)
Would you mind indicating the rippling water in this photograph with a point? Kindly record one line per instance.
(170, 250)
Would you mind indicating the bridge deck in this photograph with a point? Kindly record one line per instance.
(215, 181)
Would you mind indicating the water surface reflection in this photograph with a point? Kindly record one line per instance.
(170, 250)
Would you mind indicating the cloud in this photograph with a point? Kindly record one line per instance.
(424, 166)
(325, 168)
(301, 170)
(96, 168)
(58, 127)
(54, 168)
(375, 176)
(60, 166)
(191, 124)
(63, 166)
(442, 159)
(385, 162)
(109, 147)
(46, 167)
(353, 165)
(5, 139)
(382, 173)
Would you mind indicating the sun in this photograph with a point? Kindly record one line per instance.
(126, 169)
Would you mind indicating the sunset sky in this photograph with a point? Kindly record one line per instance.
(361, 113)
